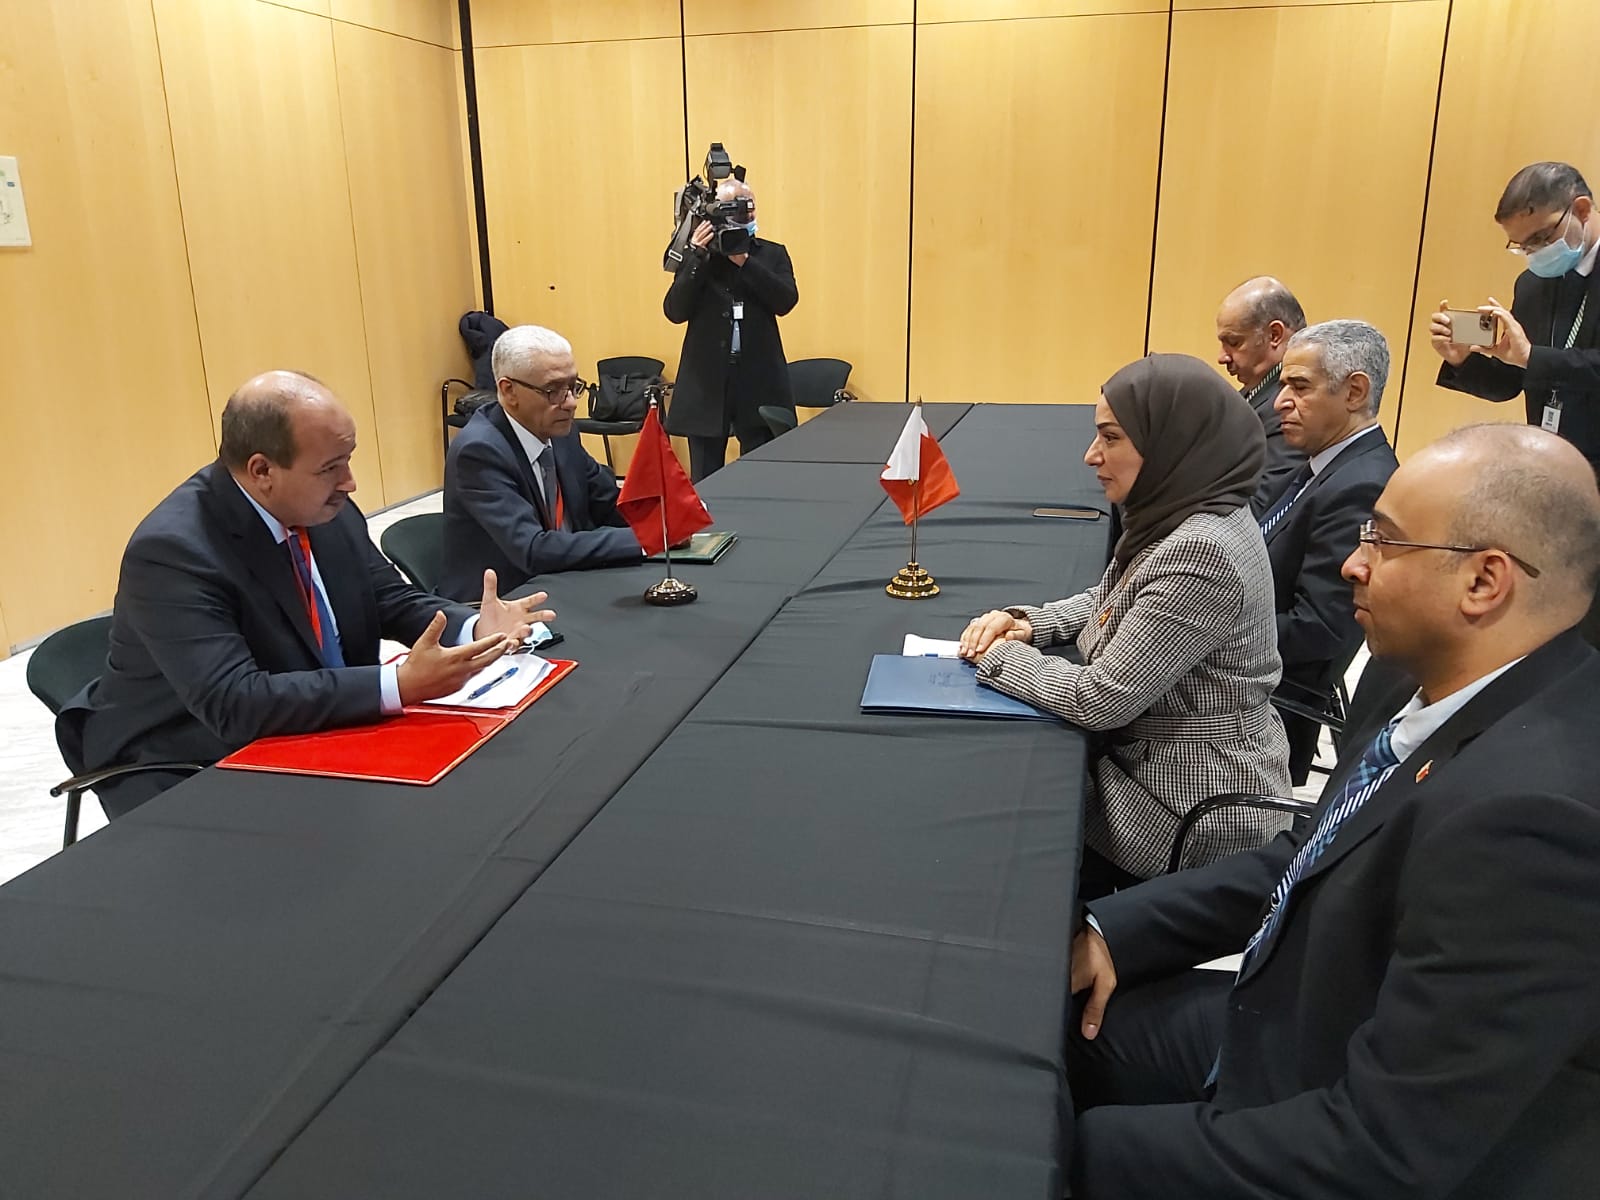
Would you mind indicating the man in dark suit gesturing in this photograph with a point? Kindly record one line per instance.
(1333, 379)
(1418, 1009)
(521, 494)
(251, 602)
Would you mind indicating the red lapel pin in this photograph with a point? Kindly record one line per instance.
(1426, 768)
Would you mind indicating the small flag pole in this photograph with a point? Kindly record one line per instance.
(669, 591)
(911, 582)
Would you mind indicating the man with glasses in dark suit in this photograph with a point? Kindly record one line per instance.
(521, 494)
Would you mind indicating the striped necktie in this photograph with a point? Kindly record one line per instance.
(1366, 777)
(317, 611)
(1298, 483)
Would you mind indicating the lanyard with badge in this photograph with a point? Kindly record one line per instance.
(1552, 406)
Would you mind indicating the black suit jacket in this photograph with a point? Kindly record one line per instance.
(1574, 373)
(210, 645)
(494, 513)
(1426, 1020)
(703, 293)
(1307, 548)
(1282, 460)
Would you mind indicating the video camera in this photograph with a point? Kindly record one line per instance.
(697, 201)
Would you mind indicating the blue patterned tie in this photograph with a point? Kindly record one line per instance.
(331, 653)
(1297, 484)
(1365, 778)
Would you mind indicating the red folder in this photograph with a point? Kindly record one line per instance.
(422, 745)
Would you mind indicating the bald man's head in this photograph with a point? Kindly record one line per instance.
(287, 440)
(1533, 494)
(1254, 324)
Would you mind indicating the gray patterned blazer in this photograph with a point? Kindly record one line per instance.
(1181, 657)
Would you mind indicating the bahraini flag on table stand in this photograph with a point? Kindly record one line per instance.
(916, 457)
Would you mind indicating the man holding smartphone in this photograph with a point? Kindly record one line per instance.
(1547, 345)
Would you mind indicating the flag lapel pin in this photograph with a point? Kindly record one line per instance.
(1427, 768)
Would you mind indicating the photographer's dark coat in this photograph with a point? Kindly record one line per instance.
(703, 293)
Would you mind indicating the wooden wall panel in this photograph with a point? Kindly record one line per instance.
(763, 16)
(1518, 88)
(578, 185)
(1334, 206)
(822, 119)
(107, 411)
(416, 264)
(544, 22)
(320, 8)
(931, 12)
(1192, 5)
(432, 21)
(1035, 197)
(254, 106)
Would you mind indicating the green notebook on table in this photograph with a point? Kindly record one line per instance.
(702, 548)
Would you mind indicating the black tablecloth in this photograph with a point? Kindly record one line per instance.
(863, 432)
(804, 951)
(183, 993)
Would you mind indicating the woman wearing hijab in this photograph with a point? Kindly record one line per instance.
(1179, 641)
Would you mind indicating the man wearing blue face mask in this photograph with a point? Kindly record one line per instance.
(731, 293)
(1549, 342)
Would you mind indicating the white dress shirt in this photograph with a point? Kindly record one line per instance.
(1322, 459)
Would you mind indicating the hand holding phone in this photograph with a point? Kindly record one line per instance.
(1470, 327)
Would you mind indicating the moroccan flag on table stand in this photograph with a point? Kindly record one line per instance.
(661, 506)
(918, 480)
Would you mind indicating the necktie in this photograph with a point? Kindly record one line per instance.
(554, 510)
(1366, 777)
(317, 611)
(1297, 484)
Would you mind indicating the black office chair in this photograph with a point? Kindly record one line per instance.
(416, 546)
(1298, 808)
(60, 667)
(819, 382)
(627, 364)
(456, 416)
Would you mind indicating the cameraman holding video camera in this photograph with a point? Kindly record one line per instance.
(731, 287)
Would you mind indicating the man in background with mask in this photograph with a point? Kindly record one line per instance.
(1549, 345)
(732, 362)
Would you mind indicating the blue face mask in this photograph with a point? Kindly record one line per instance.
(1556, 259)
(750, 228)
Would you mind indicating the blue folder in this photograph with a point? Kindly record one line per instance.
(938, 686)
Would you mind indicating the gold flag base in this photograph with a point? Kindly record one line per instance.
(911, 582)
(670, 591)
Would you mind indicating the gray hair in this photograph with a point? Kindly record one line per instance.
(258, 419)
(514, 348)
(1539, 187)
(1524, 502)
(1348, 347)
(1270, 301)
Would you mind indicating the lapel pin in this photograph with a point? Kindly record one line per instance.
(1426, 768)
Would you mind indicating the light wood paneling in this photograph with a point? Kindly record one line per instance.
(761, 16)
(822, 119)
(1518, 89)
(1192, 5)
(543, 22)
(1036, 150)
(254, 105)
(5, 639)
(1333, 206)
(932, 12)
(432, 21)
(578, 186)
(107, 411)
(320, 8)
(410, 207)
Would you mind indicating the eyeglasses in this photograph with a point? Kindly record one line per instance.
(556, 392)
(1370, 536)
(1543, 238)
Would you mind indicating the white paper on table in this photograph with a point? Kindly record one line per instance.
(921, 647)
(530, 669)
(13, 213)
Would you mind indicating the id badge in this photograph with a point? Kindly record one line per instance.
(738, 310)
(1552, 416)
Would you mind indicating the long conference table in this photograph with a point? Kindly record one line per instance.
(693, 926)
